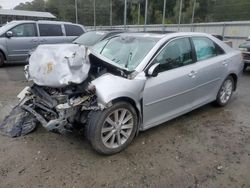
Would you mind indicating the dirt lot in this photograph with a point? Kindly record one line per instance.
(209, 147)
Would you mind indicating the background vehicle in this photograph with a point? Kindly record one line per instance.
(134, 81)
(245, 49)
(90, 38)
(17, 38)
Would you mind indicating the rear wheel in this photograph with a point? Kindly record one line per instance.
(2, 59)
(112, 130)
(226, 91)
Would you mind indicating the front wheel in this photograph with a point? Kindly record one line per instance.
(226, 91)
(113, 129)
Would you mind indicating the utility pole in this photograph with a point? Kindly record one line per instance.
(139, 13)
(125, 14)
(45, 5)
(164, 13)
(76, 11)
(193, 11)
(180, 15)
(94, 16)
(146, 14)
(111, 12)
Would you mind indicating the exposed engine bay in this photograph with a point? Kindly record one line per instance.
(58, 109)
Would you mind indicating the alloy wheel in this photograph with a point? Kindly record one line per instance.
(226, 91)
(117, 128)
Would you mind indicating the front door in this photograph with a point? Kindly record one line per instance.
(171, 93)
(23, 41)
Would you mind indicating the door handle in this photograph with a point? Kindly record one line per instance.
(34, 40)
(192, 74)
(225, 63)
(43, 40)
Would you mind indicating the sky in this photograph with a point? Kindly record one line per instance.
(10, 4)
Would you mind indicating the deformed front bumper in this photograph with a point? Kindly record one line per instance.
(39, 117)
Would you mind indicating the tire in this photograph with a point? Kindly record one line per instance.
(2, 59)
(225, 92)
(104, 134)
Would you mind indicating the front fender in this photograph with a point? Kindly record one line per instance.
(110, 87)
(4, 50)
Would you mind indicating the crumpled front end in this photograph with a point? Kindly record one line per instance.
(66, 88)
(59, 109)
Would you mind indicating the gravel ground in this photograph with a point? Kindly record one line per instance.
(209, 147)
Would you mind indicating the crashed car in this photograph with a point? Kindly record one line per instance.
(127, 83)
(245, 49)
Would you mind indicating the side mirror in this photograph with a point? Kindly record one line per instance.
(153, 70)
(9, 34)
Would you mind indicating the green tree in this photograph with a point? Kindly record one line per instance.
(35, 5)
(229, 10)
(205, 10)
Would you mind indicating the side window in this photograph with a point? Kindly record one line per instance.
(73, 30)
(50, 30)
(176, 54)
(205, 48)
(24, 30)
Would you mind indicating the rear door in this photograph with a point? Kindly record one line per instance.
(24, 39)
(172, 92)
(211, 69)
(51, 33)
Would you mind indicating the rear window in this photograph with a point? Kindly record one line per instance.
(73, 30)
(205, 48)
(50, 30)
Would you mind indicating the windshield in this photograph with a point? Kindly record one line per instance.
(89, 38)
(126, 51)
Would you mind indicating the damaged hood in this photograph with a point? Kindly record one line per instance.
(59, 65)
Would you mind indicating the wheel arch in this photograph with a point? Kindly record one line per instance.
(136, 106)
(2, 51)
(235, 78)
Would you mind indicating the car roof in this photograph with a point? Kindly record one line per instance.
(143, 35)
(159, 32)
(162, 35)
(50, 21)
(107, 31)
(42, 21)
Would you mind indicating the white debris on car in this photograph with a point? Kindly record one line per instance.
(59, 65)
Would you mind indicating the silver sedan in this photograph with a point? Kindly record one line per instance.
(156, 78)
